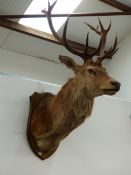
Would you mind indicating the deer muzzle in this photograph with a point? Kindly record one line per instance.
(116, 85)
(112, 87)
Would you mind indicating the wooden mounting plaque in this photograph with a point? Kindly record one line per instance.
(35, 101)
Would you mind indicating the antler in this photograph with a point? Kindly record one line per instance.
(85, 55)
(62, 41)
(103, 33)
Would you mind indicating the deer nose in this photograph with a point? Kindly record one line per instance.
(116, 84)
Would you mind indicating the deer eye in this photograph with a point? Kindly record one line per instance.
(92, 71)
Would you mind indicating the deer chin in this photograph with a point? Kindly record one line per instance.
(110, 91)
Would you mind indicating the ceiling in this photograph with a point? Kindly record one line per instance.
(126, 2)
(25, 44)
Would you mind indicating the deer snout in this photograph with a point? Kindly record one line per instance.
(116, 85)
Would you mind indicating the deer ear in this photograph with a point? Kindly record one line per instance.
(70, 63)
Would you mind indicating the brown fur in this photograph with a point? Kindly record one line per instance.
(53, 117)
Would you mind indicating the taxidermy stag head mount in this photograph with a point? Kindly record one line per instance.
(53, 117)
(91, 73)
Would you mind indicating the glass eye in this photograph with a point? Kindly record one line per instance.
(92, 71)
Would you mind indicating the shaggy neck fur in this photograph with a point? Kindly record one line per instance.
(73, 103)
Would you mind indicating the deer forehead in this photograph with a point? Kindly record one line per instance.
(95, 67)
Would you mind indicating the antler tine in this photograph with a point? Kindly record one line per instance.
(109, 53)
(87, 46)
(87, 55)
(102, 28)
(115, 43)
(50, 7)
(103, 33)
(113, 50)
(93, 28)
(90, 56)
(109, 27)
(48, 14)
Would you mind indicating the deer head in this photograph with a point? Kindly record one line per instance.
(91, 74)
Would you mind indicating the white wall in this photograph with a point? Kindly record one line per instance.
(31, 67)
(120, 67)
(102, 145)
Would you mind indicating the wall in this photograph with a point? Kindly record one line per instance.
(120, 67)
(30, 67)
(102, 145)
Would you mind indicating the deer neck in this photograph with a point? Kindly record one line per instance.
(74, 97)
